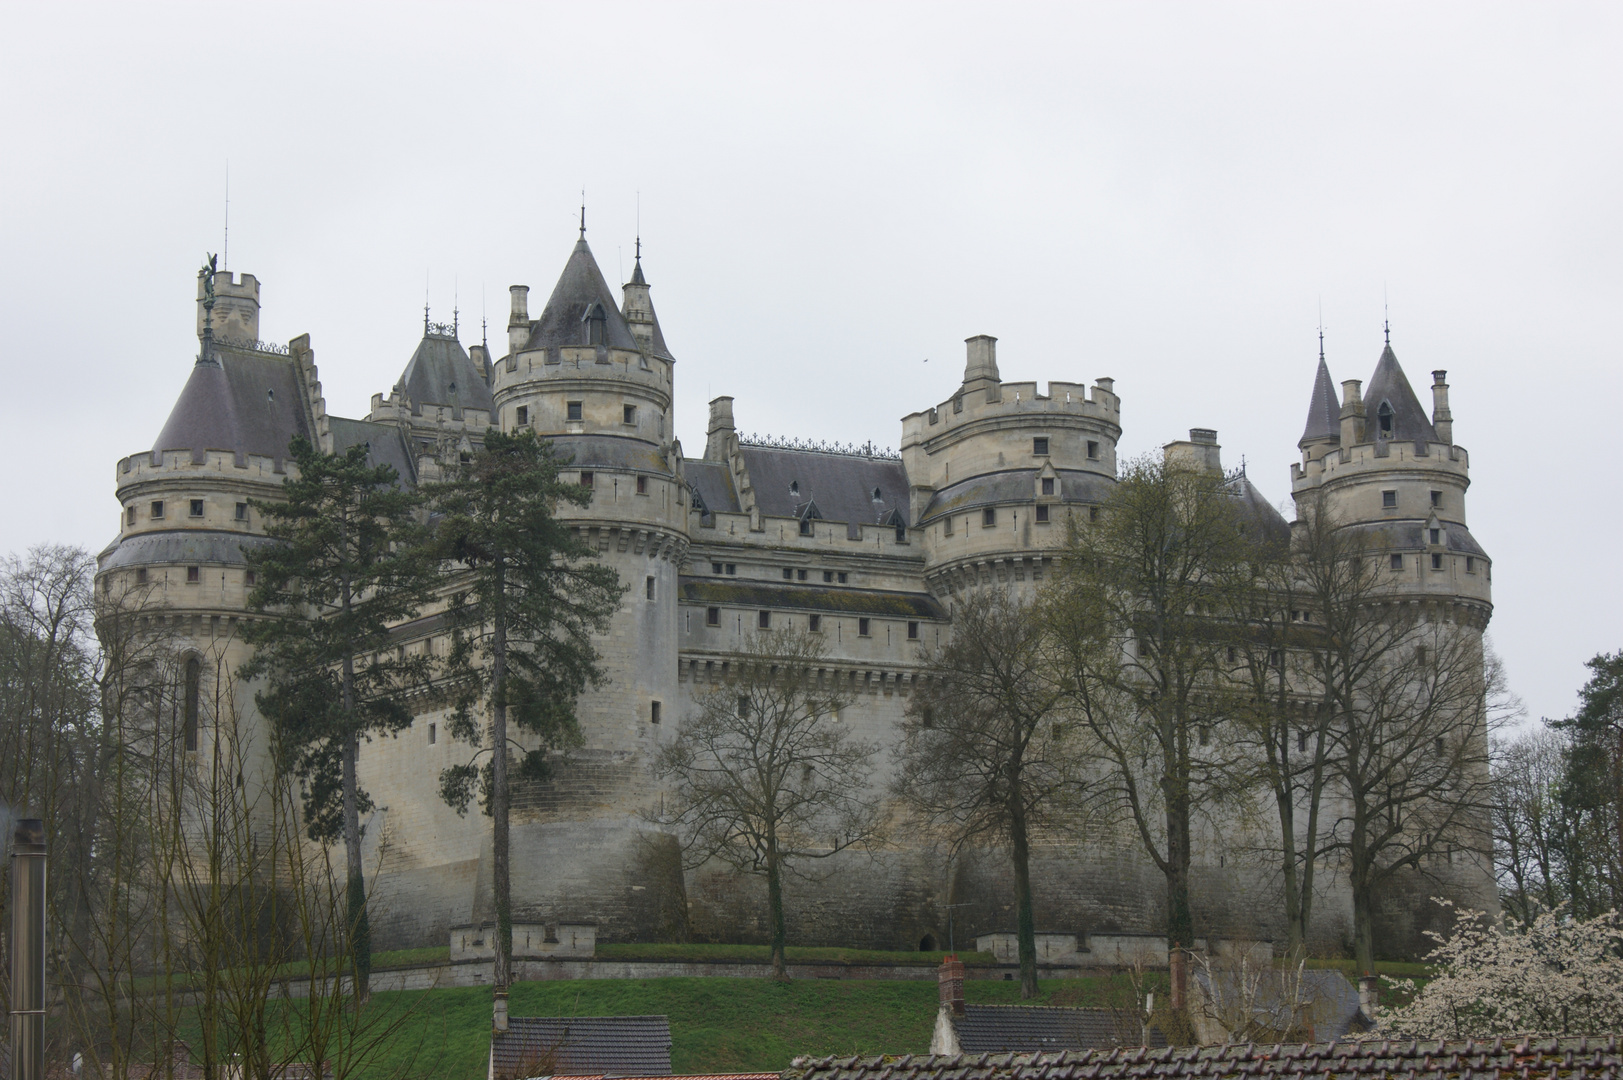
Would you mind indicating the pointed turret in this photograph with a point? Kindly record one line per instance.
(581, 309)
(440, 372)
(639, 312)
(1394, 412)
(1323, 410)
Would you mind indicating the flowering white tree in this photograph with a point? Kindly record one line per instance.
(1559, 976)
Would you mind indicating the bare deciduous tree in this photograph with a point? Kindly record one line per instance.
(984, 750)
(765, 775)
(1139, 615)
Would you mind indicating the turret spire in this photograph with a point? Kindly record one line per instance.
(583, 213)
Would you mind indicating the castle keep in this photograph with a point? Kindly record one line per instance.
(861, 545)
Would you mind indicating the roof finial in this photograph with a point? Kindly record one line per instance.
(1386, 316)
(1321, 329)
(425, 302)
(456, 317)
(583, 213)
(639, 228)
(484, 323)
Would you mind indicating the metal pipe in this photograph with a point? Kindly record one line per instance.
(28, 951)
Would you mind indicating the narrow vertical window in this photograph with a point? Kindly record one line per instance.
(862, 627)
(523, 415)
(648, 588)
(242, 511)
(194, 687)
(712, 616)
(763, 620)
(912, 631)
(642, 485)
(433, 734)
(653, 712)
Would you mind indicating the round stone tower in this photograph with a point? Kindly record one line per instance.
(597, 381)
(997, 470)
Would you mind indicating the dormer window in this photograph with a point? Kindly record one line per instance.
(877, 495)
(794, 487)
(596, 326)
(1048, 485)
(1383, 417)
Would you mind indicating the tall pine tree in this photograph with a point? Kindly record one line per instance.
(528, 601)
(346, 568)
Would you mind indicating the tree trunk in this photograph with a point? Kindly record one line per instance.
(360, 928)
(1180, 920)
(1025, 923)
(774, 899)
(1363, 925)
(501, 881)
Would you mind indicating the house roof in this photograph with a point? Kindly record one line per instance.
(1389, 385)
(1323, 409)
(582, 1046)
(580, 289)
(440, 372)
(386, 444)
(1331, 1009)
(998, 1028)
(1587, 1058)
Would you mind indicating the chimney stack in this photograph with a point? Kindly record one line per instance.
(1369, 995)
(980, 370)
(1200, 454)
(951, 975)
(1441, 418)
(720, 430)
(500, 1017)
(518, 319)
(1352, 412)
(28, 951)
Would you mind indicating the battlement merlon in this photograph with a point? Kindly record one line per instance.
(1370, 461)
(236, 306)
(175, 466)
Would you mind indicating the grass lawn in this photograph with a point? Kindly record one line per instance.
(717, 1024)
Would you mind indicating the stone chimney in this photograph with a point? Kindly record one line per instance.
(480, 356)
(1201, 453)
(1352, 412)
(518, 319)
(500, 1016)
(720, 431)
(1441, 418)
(980, 372)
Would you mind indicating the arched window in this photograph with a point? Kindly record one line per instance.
(192, 690)
(1384, 415)
(596, 326)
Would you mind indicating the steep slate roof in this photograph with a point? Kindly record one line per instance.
(842, 485)
(583, 1045)
(714, 483)
(562, 321)
(608, 452)
(1256, 509)
(440, 372)
(244, 402)
(1410, 536)
(1410, 423)
(1323, 409)
(386, 442)
(998, 1028)
(1577, 1059)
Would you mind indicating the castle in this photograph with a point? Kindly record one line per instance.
(862, 545)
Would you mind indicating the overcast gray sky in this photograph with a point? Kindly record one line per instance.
(830, 194)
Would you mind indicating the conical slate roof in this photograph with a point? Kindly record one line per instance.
(579, 291)
(1389, 386)
(440, 372)
(242, 402)
(1323, 411)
